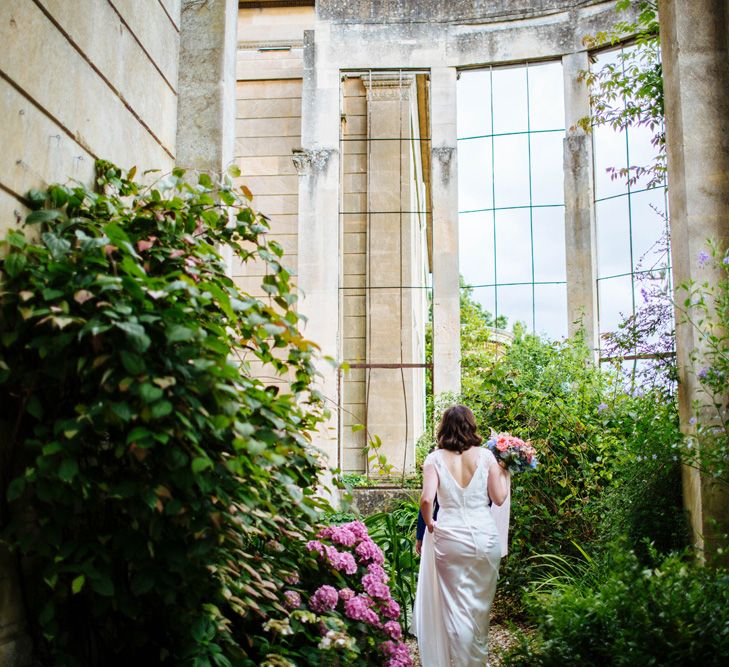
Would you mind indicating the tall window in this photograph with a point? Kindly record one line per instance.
(511, 193)
(630, 218)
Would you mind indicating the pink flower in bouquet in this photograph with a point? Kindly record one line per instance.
(502, 444)
(325, 598)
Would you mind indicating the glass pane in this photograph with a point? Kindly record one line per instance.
(615, 297)
(650, 247)
(476, 248)
(613, 237)
(511, 170)
(475, 181)
(513, 246)
(546, 96)
(510, 99)
(474, 103)
(486, 296)
(547, 166)
(550, 306)
(515, 302)
(641, 152)
(611, 152)
(549, 248)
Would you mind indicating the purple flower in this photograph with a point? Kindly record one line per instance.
(391, 609)
(397, 653)
(292, 599)
(703, 373)
(602, 406)
(358, 529)
(703, 257)
(325, 598)
(692, 421)
(356, 607)
(342, 561)
(315, 545)
(343, 536)
(726, 260)
(375, 588)
(393, 629)
(346, 594)
(377, 571)
(367, 550)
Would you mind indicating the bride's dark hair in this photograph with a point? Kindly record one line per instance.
(457, 430)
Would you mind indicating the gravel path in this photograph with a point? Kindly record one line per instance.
(500, 638)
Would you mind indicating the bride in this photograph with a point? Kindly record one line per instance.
(461, 553)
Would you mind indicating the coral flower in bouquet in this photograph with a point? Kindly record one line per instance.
(516, 454)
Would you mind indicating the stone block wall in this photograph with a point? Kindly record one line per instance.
(83, 80)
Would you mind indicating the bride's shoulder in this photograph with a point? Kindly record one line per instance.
(432, 458)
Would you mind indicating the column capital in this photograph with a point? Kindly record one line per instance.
(388, 86)
(311, 160)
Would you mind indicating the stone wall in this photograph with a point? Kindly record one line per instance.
(82, 80)
(79, 81)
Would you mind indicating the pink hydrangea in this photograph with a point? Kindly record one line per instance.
(292, 578)
(346, 594)
(397, 653)
(341, 560)
(375, 588)
(393, 629)
(378, 572)
(315, 545)
(293, 599)
(357, 606)
(325, 598)
(368, 551)
(390, 608)
(343, 536)
(358, 529)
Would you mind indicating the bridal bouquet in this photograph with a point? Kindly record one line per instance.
(516, 454)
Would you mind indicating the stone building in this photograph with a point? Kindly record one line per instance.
(358, 126)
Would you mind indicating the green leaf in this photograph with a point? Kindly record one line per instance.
(16, 488)
(77, 584)
(42, 216)
(160, 409)
(14, 264)
(136, 333)
(199, 464)
(149, 393)
(178, 333)
(35, 407)
(133, 363)
(68, 470)
(58, 246)
(103, 586)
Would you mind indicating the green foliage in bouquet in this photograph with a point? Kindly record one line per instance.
(155, 490)
(673, 613)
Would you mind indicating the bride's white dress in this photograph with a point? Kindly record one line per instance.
(459, 566)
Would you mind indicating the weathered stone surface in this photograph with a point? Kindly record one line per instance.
(370, 500)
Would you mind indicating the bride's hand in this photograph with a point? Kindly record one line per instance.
(431, 526)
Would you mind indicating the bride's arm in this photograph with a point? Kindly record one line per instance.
(427, 497)
(499, 482)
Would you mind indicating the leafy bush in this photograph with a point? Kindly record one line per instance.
(394, 532)
(351, 617)
(675, 613)
(157, 491)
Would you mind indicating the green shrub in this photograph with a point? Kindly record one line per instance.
(676, 613)
(157, 491)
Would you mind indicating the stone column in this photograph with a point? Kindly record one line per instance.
(444, 184)
(696, 83)
(579, 205)
(318, 166)
(206, 89)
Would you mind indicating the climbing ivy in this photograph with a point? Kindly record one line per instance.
(154, 490)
